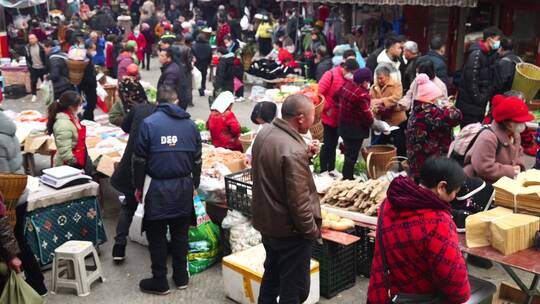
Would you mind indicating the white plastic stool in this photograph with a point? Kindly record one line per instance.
(77, 275)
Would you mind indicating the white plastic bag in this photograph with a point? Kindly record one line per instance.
(135, 229)
(242, 234)
(48, 93)
(197, 78)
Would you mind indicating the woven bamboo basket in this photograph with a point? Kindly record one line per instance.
(319, 108)
(246, 141)
(76, 70)
(12, 187)
(377, 159)
(317, 131)
(527, 80)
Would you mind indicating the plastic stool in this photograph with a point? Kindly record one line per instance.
(482, 291)
(74, 253)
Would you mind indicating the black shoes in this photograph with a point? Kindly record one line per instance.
(201, 93)
(155, 286)
(119, 253)
(181, 281)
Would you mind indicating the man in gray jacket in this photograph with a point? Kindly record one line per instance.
(286, 207)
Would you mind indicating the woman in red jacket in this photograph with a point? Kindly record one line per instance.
(330, 83)
(141, 43)
(419, 238)
(222, 123)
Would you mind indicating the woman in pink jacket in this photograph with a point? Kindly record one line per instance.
(330, 83)
(497, 152)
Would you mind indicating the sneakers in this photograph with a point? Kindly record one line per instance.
(119, 253)
(34, 98)
(155, 286)
(181, 281)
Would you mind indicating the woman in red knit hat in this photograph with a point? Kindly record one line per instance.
(498, 152)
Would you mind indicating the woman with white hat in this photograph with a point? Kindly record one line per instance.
(222, 123)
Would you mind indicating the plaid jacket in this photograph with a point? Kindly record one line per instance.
(355, 117)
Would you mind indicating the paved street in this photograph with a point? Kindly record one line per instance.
(121, 284)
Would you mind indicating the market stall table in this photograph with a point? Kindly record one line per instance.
(16, 75)
(55, 216)
(526, 260)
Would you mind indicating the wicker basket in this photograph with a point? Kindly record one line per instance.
(12, 187)
(527, 80)
(319, 108)
(246, 140)
(76, 70)
(377, 158)
(317, 131)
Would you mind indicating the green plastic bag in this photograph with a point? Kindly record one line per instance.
(204, 241)
(17, 291)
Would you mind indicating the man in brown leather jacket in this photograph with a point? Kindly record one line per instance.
(286, 207)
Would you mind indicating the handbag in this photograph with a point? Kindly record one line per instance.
(17, 291)
(399, 298)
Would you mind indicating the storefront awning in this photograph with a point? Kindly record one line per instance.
(21, 3)
(462, 3)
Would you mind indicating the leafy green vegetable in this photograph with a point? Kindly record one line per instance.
(201, 125)
(359, 169)
(244, 130)
(152, 95)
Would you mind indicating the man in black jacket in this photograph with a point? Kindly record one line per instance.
(58, 69)
(323, 61)
(477, 85)
(36, 60)
(172, 75)
(166, 170)
(203, 55)
(88, 85)
(505, 66)
(437, 51)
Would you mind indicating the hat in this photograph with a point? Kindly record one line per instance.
(427, 90)
(362, 75)
(132, 43)
(167, 26)
(510, 108)
(133, 70)
(222, 102)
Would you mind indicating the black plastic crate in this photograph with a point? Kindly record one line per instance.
(337, 265)
(238, 188)
(365, 248)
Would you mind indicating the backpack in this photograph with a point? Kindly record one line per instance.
(465, 141)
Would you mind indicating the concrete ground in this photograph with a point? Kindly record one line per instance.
(121, 285)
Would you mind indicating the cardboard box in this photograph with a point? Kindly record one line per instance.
(108, 162)
(243, 271)
(34, 143)
(235, 165)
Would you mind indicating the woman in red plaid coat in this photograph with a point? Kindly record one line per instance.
(420, 239)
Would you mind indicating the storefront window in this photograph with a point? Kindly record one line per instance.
(526, 33)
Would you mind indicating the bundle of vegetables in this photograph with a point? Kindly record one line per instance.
(244, 130)
(360, 169)
(151, 93)
(334, 222)
(364, 197)
(201, 125)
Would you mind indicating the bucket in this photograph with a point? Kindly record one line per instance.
(317, 131)
(377, 159)
(527, 80)
(76, 70)
(246, 140)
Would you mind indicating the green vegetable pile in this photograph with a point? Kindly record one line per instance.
(359, 169)
(152, 95)
(201, 125)
(536, 114)
(244, 130)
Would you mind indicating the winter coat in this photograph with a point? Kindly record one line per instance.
(477, 85)
(99, 58)
(65, 138)
(285, 199)
(223, 31)
(116, 114)
(10, 148)
(28, 56)
(150, 40)
(172, 75)
(407, 101)
(141, 44)
(390, 94)
(439, 63)
(429, 132)
(89, 81)
(109, 57)
(224, 80)
(330, 83)
(224, 130)
(131, 92)
(168, 151)
(493, 155)
(421, 247)
(371, 61)
(409, 74)
(355, 117)
(505, 68)
(203, 53)
(122, 62)
(59, 72)
(382, 59)
(122, 179)
(322, 67)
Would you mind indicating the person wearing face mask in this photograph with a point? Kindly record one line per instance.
(69, 133)
(88, 84)
(141, 43)
(414, 214)
(330, 83)
(99, 57)
(355, 116)
(499, 153)
(478, 85)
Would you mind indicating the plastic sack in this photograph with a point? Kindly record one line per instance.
(204, 249)
(17, 291)
(135, 229)
(196, 77)
(242, 234)
(47, 92)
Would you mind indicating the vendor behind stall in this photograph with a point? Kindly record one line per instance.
(497, 152)
(222, 123)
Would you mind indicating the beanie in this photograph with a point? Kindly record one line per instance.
(510, 108)
(363, 75)
(133, 70)
(427, 90)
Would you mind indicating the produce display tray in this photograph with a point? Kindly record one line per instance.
(355, 216)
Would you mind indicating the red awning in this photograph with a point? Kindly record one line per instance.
(461, 3)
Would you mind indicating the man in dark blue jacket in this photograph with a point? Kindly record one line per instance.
(437, 51)
(175, 76)
(166, 170)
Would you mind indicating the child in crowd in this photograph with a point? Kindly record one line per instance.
(222, 123)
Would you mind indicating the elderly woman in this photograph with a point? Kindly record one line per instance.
(497, 152)
(385, 94)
